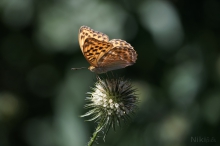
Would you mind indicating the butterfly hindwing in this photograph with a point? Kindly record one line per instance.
(120, 43)
(117, 57)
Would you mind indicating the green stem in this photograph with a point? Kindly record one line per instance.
(94, 135)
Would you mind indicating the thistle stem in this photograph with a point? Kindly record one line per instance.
(95, 134)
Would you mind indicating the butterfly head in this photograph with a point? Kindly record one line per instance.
(97, 70)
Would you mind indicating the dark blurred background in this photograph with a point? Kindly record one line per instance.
(177, 73)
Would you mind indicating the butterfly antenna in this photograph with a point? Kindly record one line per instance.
(78, 68)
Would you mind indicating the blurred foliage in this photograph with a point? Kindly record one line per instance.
(177, 72)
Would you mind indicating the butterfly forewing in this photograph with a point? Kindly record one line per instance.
(86, 32)
(93, 49)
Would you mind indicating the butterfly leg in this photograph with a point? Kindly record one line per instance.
(97, 77)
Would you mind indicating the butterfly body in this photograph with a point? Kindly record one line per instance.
(98, 70)
(102, 54)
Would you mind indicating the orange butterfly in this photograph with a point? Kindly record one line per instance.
(102, 54)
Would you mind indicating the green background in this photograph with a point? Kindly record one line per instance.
(177, 72)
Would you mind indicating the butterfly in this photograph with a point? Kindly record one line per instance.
(102, 54)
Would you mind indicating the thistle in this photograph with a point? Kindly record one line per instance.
(110, 102)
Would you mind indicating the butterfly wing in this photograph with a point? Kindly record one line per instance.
(93, 44)
(93, 49)
(120, 43)
(121, 55)
(86, 32)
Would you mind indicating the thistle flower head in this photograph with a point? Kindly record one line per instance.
(111, 101)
